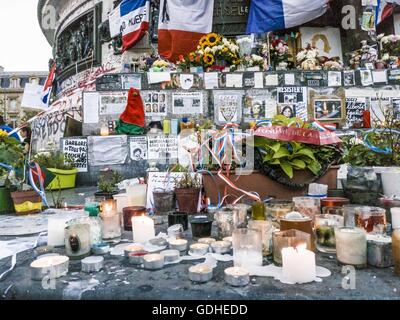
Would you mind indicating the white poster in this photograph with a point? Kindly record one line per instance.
(155, 103)
(76, 149)
(162, 147)
(187, 103)
(259, 106)
(112, 103)
(228, 106)
(91, 107)
(107, 150)
(326, 40)
(138, 148)
(32, 98)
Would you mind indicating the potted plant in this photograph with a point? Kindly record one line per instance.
(107, 184)
(187, 191)
(61, 166)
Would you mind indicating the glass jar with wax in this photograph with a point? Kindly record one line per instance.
(240, 212)
(276, 209)
(325, 225)
(308, 206)
(288, 238)
(258, 211)
(77, 239)
(224, 219)
(96, 236)
(372, 219)
(111, 220)
(351, 246)
(266, 229)
(247, 248)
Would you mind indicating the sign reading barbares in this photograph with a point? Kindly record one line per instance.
(76, 149)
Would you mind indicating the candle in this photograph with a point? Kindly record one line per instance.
(77, 240)
(349, 212)
(395, 217)
(130, 212)
(379, 251)
(143, 229)
(247, 248)
(266, 229)
(122, 201)
(199, 249)
(153, 261)
(307, 206)
(178, 244)
(55, 230)
(224, 219)
(298, 265)
(221, 246)
(351, 246)
(237, 277)
(92, 264)
(137, 257)
(301, 222)
(288, 238)
(137, 195)
(276, 209)
(325, 225)
(159, 242)
(53, 267)
(200, 273)
(132, 249)
(100, 248)
(207, 240)
(178, 218)
(111, 220)
(372, 219)
(396, 250)
(104, 131)
(201, 226)
(170, 256)
(258, 211)
(240, 215)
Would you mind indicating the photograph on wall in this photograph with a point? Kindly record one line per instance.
(328, 110)
(349, 78)
(228, 106)
(259, 106)
(366, 77)
(334, 78)
(162, 147)
(112, 103)
(76, 149)
(138, 148)
(292, 101)
(187, 103)
(131, 81)
(288, 110)
(155, 103)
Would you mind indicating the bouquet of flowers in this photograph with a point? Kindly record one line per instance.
(390, 49)
(367, 54)
(255, 60)
(333, 64)
(308, 59)
(279, 51)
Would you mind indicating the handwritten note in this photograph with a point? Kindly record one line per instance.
(355, 107)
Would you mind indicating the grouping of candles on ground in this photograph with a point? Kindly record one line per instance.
(289, 232)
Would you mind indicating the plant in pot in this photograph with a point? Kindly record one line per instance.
(107, 184)
(187, 191)
(61, 166)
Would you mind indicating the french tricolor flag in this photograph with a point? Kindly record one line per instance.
(384, 10)
(181, 25)
(271, 15)
(48, 86)
(131, 19)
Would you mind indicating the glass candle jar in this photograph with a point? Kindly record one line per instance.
(201, 226)
(372, 219)
(266, 229)
(277, 209)
(111, 220)
(178, 218)
(349, 212)
(288, 238)
(224, 219)
(130, 212)
(164, 201)
(334, 202)
(240, 215)
(307, 206)
(301, 223)
(325, 225)
(396, 250)
(247, 248)
(258, 211)
(351, 246)
(77, 239)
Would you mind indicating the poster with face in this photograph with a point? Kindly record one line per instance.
(259, 106)
(187, 103)
(291, 98)
(228, 106)
(328, 110)
(138, 148)
(349, 78)
(155, 103)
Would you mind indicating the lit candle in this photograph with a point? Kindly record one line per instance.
(53, 267)
(178, 244)
(200, 273)
(137, 257)
(111, 220)
(143, 229)
(351, 246)
(237, 277)
(395, 218)
(153, 261)
(379, 251)
(298, 265)
(207, 240)
(92, 264)
(221, 246)
(199, 249)
(170, 256)
(132, 249)
(104, 131)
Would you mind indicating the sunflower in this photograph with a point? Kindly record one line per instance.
(3, 134)
(208, 59)
(213, 39)
(203, 42)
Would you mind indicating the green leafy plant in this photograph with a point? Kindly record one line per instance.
(54, 160)
(11, 154)
(107, 182)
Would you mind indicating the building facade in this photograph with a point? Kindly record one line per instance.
(11, 91)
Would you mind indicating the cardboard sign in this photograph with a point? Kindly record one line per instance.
(76, 149)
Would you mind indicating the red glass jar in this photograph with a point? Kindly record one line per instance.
(130, 212)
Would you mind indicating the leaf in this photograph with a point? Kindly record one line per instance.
(282, 152)
(275, 147)
(276, 161)
(298, 164)
(314, 167)
(267, 157)
(287, 168)
(306, 152)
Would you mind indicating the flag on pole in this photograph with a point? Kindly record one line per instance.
(271, 15)
(181, 25)
(131, 18)
(384, 10)
(48, 86)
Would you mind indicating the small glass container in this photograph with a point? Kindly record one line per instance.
(396, 250)
(130, 212)
(201, 226)
(351, 246)
(111, 220)
(258, 211)
(77, 239)
(334, 202)
(288, 238)
(299, 222)
(325, 225)
(178, 218)
(240, 215)
(349, 212)
(266, 229)
(277, 209)
(308, 206)
(372, 219)
(224, 220)
(338, 211)
(247, 248)
(379, 251)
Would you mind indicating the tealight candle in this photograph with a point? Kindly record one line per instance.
(170, 256)
(178, 244)
(132, 249)
(143, 229)
(206, 240)
(200, 273)
(237, 277)
(100, 248)
(351, 246)
(221, 246)
(199, 249)
(53, 267)
(137, 257)
(153, 261)
(92, 264)
(379, 251)
(298, 265)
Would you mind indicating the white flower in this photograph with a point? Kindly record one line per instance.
(207, 50)
(301, 55)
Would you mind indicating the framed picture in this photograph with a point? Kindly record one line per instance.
(328, 109)
(349, 78)
(287, 110)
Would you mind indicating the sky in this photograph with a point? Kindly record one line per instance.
(23, 47)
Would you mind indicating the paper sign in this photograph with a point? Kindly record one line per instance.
(76, 149)
(158, 77)
(131, 81)
(211, 80)
(112, 103)
(289, 79)
(258, 80)
(91, 107)
(187, 103)
(234, 80)
(379, 76)
(138, 148)
(107, 150)
(162, 147)
(271, 80)
(355, 108)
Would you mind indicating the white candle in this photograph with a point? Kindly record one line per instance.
(221, 246)
(178, 244)
(395, 218)
(122, 201)
(200, 273)
(143, 229)
(55, 230)
(54, 267)
(199, 249)
(237, 277)
(132, 249)
(137, 195)
(153, 261)
(92, 264)
(298, 265)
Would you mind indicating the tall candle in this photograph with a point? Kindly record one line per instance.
(143, 229)
(298, 265)
(55, 230)
(137, 195)
(395, 218)
(351, 246)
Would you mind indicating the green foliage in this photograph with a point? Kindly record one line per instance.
(54, 160)
(11, 154)
(107, 182)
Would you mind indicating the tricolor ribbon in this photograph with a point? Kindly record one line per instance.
(34, 169)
